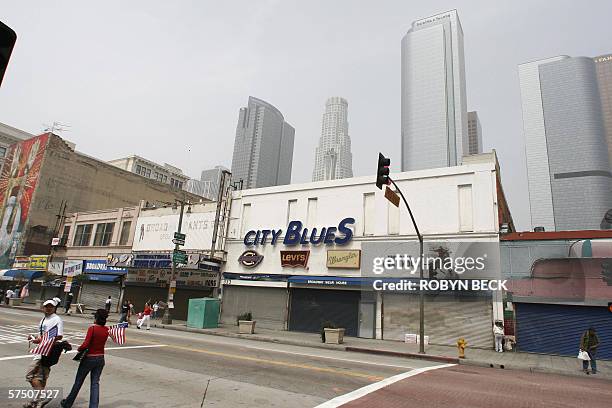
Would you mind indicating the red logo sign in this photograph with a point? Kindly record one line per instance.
(294, 259)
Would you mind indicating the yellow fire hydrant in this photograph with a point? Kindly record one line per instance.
(461, 345)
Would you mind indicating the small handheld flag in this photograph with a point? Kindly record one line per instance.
(117, 332)
(46, 342)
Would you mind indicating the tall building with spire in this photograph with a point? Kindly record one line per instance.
(263, 148)
(434, 102)
(333, 157)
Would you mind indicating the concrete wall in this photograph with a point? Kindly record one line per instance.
(85, 184)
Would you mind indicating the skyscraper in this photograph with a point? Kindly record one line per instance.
(566, 150)
(474, 134)
(263, 148)
(333, 158)
(434, 102)
(603, 66)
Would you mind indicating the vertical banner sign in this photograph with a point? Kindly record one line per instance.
(68, 284)
(17, 184)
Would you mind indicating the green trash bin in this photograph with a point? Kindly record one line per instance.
(203, 313)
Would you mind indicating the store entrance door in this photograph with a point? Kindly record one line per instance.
(367, 319)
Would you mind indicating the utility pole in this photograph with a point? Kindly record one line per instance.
(382, 178)
(167, 318)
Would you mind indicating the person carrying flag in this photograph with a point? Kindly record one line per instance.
(91, 362)
(51, 329)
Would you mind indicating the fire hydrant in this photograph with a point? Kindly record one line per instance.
(461, 345)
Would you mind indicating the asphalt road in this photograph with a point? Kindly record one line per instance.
(163, 368)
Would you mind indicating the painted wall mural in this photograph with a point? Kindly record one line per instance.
(17, 184)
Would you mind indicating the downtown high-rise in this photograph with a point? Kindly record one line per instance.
(263, 147)
(434, 101)
(568, 169)
(474, 134)
(333, 158)
(603, 67)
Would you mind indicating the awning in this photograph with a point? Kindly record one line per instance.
(102, 278)
(25, 274)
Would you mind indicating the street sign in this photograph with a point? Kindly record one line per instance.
(392, 196)
(179, 256)
(178, 235)
(176, 241)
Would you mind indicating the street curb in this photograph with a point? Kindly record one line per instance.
(430, 357)
(539, 370)
(254, 337)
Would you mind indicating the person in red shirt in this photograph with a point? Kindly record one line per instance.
(146, 317)
(92, 362)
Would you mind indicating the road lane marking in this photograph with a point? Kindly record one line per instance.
(368, 389)
(74, 351)
(276, 362)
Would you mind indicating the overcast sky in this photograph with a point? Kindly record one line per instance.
(165, 79)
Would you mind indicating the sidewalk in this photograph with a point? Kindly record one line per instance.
(542, 363)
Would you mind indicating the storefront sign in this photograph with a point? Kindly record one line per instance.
(348, 259)
(268, 277)
(294, 259)
(327, 280)
(297, 235)
(56, 267)
(100, 266)
(21, 262)
(250, 259)
(39, 262)
(120, 260)
(73, 267)
(155, 233)
(68, 284)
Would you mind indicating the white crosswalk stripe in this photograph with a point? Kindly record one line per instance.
(18, 333)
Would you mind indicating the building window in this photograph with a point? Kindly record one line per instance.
(138, 169)
(65, 234)
(104, 233)
(2, 151)
(148, 173)
(125, 232)
(82, 237)
(368, 214)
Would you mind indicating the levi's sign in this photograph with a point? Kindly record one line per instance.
(296, 234)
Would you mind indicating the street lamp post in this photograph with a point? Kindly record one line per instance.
(421, 294)
(167, 318)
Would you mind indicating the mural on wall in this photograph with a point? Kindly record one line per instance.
(17, 184)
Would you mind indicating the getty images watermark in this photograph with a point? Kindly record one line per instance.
(447, 266)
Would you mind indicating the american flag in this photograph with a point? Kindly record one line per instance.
(117, 332)
(46, 342)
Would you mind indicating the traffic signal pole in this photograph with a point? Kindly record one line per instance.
(421, 294)
(167, 318)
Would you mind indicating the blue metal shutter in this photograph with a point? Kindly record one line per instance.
(556, 329)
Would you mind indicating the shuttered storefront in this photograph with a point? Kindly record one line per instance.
(94, 294)
(267, 305)
(447, 318)
(311, 307)
(557, 329)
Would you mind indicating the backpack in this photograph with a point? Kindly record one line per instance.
(55, 353)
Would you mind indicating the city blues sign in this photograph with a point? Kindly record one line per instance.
(298, 235)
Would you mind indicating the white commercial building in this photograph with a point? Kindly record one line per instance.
(434, 102)
(303, 254)
(333, 157)
(165, 173)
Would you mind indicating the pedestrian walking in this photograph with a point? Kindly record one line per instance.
(92, 362)
(8, 295)
(68, 302)
(498, 332)
(125, 310)
(130, 311)
(38, 373)
(156, 310)
(108, 304)
(589, 343)
(146, 317)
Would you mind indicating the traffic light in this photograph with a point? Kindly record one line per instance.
(382, 173)
(7, 42)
